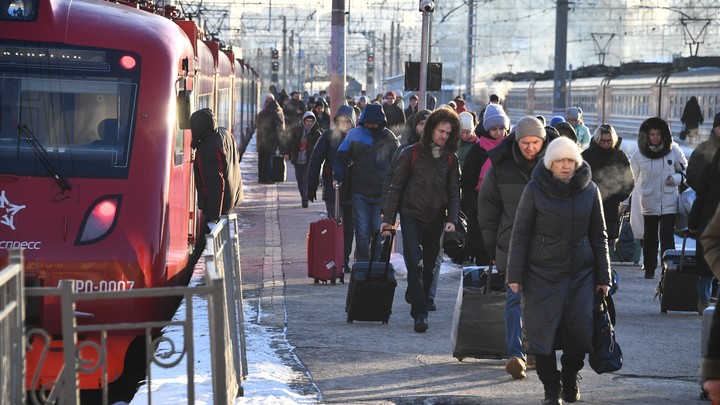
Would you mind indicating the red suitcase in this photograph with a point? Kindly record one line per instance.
(325, 246)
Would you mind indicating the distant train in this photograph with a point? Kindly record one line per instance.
(625, 100)
(95, 161)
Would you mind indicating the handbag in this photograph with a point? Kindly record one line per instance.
(606, 356)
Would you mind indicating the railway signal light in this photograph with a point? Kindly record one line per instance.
(274, 77)
(275, 54)
(275, 66)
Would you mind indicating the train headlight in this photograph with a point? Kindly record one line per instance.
(99, 220)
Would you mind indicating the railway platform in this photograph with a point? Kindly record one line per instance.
(367, 362)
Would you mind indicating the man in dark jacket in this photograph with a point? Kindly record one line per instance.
(363, 159)
(324, 156)
(512, 162)
(299, 149)
(217, 172)
(270, 125)
(425, 190)
(394, 114)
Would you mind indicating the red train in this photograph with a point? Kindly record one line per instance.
(95, 159)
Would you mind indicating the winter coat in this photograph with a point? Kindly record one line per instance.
(710, 239)
(395, 116)
(428, 189)
(296, 136)
(270, 126)
(368, 166)
(583, 136)
(470, 174)
(216, 168)
(700, 157)
(558, 253)
(499, 196)
(707, 198)
(464, 148)
(323, 155)
(613, 176)
(652, 168)
(692, 115)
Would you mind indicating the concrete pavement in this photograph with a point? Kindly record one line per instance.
(366, 362)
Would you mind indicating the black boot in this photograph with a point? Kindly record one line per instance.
(546, 367)
(570, 385)
(421, 323)
(552, 394)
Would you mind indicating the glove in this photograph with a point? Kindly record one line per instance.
(211, 225)
(312, 195)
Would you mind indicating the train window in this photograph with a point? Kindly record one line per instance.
(79, 120)
(18, 10)
(223, 112)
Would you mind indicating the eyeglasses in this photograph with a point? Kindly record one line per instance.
(605, 141)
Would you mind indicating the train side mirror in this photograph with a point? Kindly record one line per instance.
(183, 109)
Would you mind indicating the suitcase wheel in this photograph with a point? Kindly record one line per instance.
(349, 320)
(663, 310)
(461, 358)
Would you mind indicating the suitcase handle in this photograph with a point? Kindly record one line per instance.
(338, 217)
(682, 252)
(373, 243)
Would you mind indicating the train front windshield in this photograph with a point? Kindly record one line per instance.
(67, 108)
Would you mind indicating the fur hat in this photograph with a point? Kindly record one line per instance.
(716, 121)
(467, 121)
(528, 126)
(562, 148)
(494, 117)
(573, 113)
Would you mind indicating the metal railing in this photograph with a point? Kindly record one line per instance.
(12, 347)
(222, 289)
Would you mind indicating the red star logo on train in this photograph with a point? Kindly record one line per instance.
(8, 216)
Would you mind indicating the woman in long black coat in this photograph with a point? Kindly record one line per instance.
(612, 173)
(707, 198)
(558, 259)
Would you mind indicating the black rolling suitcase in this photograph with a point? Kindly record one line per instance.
(372, 287)
(478, 328)
(278, 169)
(678, 282)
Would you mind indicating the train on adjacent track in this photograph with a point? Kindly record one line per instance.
(95, 160)
(624, 99)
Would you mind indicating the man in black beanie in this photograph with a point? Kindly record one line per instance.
(703, 154)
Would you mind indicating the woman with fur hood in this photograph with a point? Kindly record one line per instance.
(659, 167)
(425, 190)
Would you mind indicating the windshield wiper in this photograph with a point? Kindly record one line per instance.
(44, 157)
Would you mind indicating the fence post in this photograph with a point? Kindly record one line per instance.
(11, 327)
(69, 394)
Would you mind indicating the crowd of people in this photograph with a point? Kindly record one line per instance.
(542, 198)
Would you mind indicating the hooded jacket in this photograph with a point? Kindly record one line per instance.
(270, 126)
(323, 155)
(710, 239)
(412, 137)
(296, 136)
(216, 166)
(367, 153)
(706, 202)
(653, 167)
(430, 188)
(500, 193)
(558, 253)
(700, 157)
(613, 176)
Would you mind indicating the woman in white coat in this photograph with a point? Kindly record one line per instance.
(659, 167)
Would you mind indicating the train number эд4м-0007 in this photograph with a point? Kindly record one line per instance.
(102, 285)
